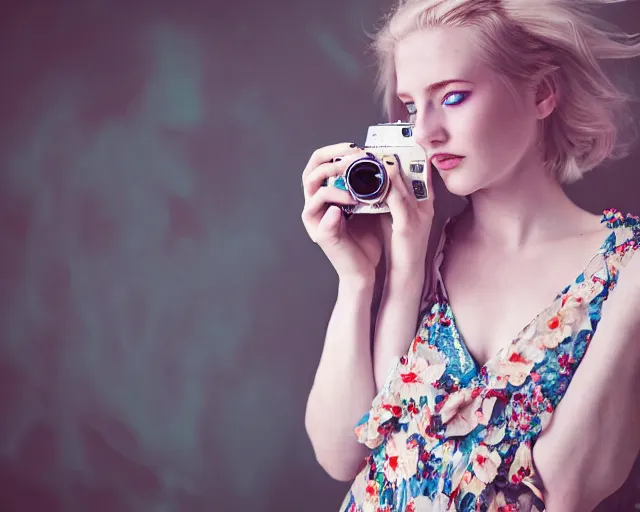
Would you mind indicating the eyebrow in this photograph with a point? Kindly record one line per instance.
(438, 85)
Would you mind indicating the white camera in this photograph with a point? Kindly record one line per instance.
(366, 179)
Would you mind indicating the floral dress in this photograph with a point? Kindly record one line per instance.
(448, 435)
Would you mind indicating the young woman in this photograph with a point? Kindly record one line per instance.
(518, 391)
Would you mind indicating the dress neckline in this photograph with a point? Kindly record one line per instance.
(606, 245)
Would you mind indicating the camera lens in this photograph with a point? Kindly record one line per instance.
(406, 132)
(366, 179)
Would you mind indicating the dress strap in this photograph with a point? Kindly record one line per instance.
(438, 258)
(435, 289)
(614, 218)
(625, 239)
(620, 245)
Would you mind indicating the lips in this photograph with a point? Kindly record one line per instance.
(441, 157)
(446, 161)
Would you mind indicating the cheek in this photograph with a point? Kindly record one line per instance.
(494, 131)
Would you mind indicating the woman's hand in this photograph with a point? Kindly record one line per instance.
(354, 247)
(406, 230)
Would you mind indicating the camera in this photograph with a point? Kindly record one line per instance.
(366, 179)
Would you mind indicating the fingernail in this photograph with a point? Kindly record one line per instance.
(340, 183)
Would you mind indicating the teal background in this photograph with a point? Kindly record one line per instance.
(162, 310)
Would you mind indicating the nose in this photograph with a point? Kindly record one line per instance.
(429, 130)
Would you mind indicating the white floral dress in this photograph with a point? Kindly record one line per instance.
(449, 435)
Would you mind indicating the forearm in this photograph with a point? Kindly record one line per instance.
(343, 387)
(396, 320)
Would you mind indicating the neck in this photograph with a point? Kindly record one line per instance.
(530, 208)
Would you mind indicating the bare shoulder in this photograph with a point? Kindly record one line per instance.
(628, 266)
(632, 271)
(620, 322)
(628, 240)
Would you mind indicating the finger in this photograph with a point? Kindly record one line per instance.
(426, 205)
(428, 169)
(317, 205)
(318, 177)
(399, 198)
(328, 231)
(331, 236)
(394, 171)
(327, 154)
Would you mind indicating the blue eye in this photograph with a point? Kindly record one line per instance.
(461, 95)
(452, 99)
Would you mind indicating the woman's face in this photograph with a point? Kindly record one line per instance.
(475, 117)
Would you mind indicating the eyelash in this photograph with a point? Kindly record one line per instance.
(464, 95)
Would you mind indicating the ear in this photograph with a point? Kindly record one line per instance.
(546, 97)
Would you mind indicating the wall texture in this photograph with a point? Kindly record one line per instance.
(161, 309)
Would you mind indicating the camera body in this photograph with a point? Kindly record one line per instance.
(366, 179)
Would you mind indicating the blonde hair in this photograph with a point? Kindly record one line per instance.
(525, 41)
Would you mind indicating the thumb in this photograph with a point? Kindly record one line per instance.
(331, 226)
(330, 223)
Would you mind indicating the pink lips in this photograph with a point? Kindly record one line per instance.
(446, 161)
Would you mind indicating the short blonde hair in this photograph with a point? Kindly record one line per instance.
(525, 41)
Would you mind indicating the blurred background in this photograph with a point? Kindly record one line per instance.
(162, 310)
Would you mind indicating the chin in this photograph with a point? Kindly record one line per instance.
(459, 184)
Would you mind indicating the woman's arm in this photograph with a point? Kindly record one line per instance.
(589, 448)
(348, 376)
(396, 320)
(343, 388)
